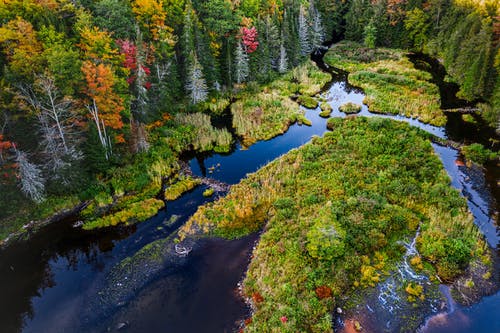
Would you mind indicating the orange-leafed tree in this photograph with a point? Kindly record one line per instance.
(103, 104)
(21, 46)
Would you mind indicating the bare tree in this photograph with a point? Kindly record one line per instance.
(30, 176)
(57, 126)
(317, 30)
(101, 129)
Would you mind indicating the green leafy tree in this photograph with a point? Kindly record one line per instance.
(418, 28)
(370, 35)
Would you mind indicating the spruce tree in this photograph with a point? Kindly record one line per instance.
(317, 30)
(305, 45)
(196, 84)
(241, 68)
(283, 59)
(30, 176)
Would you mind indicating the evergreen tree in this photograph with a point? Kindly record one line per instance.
(305, 44)
(241, 68)
(283, 59)
(317, 31)
(30, 176)
(370, 35)
(196, 84)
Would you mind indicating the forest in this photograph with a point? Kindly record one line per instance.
(115, 112)
(93, 93)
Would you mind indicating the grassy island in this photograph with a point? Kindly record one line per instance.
(333, 212)
(267, 111)
(390, 81)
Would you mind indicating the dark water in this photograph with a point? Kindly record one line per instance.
(53, 282)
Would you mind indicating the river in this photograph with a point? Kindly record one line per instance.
(55, 281)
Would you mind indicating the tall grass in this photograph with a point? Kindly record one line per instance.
(206, 136)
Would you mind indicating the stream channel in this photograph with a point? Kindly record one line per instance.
(60, 279)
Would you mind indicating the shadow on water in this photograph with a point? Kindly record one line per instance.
(52, 283)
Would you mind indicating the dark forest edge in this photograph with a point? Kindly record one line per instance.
(99, 99)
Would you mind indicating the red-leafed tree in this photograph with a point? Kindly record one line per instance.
(249, 38)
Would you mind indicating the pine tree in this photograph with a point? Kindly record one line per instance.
(317, 30)
(283, 59)
(196, 84)
(30, 175)
(305, 45)
(241, 68)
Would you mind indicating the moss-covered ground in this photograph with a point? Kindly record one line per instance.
(390, 81)
(333, 212)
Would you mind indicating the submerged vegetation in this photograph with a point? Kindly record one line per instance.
(390, 81)
(334, 211)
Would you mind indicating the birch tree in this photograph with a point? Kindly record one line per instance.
(103, 104)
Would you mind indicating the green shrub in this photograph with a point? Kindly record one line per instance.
(308, 101)
(326, 110)
(325, 241)
(477, 153)
(135, 212)
(350, 108)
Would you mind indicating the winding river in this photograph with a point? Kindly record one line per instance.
(56, 281)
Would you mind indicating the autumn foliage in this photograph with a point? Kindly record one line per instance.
(18, 39)
(249, 38)
(152, 15)
(323, 292)
(129, 50)
(99, 88)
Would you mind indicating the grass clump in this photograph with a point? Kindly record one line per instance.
(468, 118)
(334, 211)
(263, 116)
(182, 186)
(390, 81)
(477, 153)
(135, 212)
(205, 136)
(307, 101)
(350, 108)
(415, 291)
(208, 192)
(326, 110)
